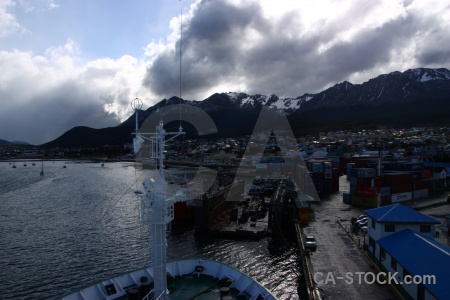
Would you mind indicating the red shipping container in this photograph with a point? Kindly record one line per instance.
(397, 178)
(335, 184)
(377, 182)
(426, 174)
(400, 188)
(362, 162)
(385, 200)
(366, 192)
(364, 182)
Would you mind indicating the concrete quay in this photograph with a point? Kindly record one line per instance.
(339, 267)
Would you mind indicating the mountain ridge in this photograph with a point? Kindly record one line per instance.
(416, 97)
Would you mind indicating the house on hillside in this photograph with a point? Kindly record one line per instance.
(401, 242)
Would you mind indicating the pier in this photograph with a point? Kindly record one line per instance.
(331, 271)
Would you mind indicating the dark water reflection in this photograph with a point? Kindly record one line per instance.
(80, 224)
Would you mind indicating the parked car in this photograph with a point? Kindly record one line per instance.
(310, 242)
(363, 220)
(354, 220)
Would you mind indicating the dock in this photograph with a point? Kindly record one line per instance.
(334, 270)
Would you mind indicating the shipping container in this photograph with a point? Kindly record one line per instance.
(420, 185)
(352, 189)
(347, 198)
(349, 167)
(409, 166)
(364, 182)
(401, 188)
(363, 172)
(376, 182)
(389, 166)
(374, 164)
(401, 197)
(385, 200)
(395, 178)
(328, 186)
(426, 174)
(366, 192)
(335, 180)
(317, 167)
(362, 162)
(385, 191)
(420, 194)
(369, 202)
(336, 172)
(416, 175)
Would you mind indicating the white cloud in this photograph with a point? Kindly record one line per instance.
(60, 86)
(8, 22)
(283, 47)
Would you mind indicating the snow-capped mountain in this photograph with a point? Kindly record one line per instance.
(396, 87)
(424, 74)
(413, 85)
(416, 97)
(285, 105)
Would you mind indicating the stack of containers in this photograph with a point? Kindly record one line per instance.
(328, 174)
(336, 173)
(349, 167)
(363, 186)
(325, 174)
(400, 184)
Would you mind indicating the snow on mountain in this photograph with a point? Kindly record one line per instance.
(395, 88)
(426, 74)
(285, 105)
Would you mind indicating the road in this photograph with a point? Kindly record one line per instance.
(341, 270)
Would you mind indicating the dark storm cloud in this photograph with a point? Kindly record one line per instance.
(366, 50)
(219, 47)
(51, 114)
(432, 48)
(211, 49)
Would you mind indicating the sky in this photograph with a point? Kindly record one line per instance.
(66, 63)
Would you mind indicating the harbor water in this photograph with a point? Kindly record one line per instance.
(79, 224)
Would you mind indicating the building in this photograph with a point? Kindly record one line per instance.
(401, 242)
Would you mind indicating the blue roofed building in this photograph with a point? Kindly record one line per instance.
(401, 242)
(410, 253)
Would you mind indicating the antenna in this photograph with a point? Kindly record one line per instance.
(136, 105)
(181, 39)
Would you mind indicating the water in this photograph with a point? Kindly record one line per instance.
(78, 225)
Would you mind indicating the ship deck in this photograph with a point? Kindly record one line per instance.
(191, 287)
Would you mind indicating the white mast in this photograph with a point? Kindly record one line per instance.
(156, 210)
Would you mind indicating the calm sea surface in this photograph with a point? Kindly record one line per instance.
(80, 224)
